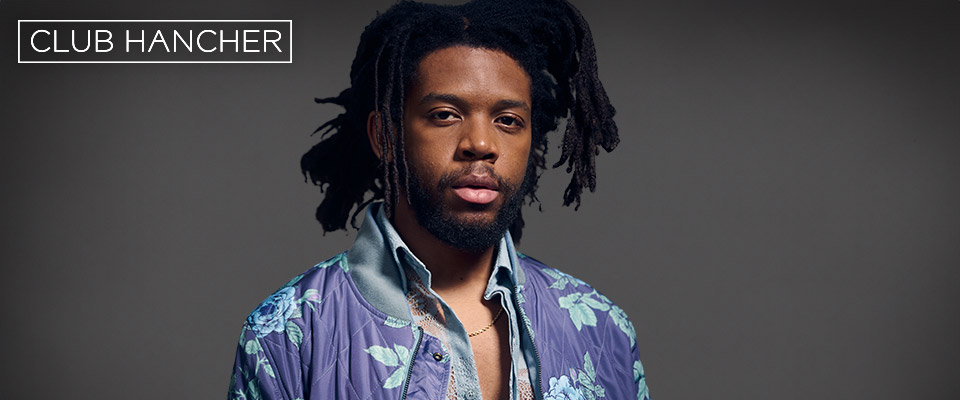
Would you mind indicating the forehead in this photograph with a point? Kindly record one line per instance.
(471, 71)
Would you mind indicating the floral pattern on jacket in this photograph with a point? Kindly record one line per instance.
(297, 344)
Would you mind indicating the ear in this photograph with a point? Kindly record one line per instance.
(374, 131)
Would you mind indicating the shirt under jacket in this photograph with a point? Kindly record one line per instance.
(358, 326)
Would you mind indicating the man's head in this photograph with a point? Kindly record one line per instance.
(467, 121)
(377, 145)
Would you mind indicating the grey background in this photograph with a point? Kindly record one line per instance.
(780, 220)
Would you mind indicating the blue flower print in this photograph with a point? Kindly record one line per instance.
(561, 389)
(272, 314)
(581, 306)
(339, 258)
(562, 279)
(396, 357)
(620, 318)
(642, 392)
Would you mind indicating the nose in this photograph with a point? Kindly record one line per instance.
(478, 142)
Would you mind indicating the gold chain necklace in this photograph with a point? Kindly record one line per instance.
(472, 334)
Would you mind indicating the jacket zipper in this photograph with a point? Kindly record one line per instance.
(413, 357)
(536, 354)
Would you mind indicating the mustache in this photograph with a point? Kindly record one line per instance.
(447, 179)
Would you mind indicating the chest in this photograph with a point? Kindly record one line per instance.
(491, 352)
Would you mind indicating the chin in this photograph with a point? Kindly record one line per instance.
(472, 220)
(467, 230)
(474, 209)
(472, 213)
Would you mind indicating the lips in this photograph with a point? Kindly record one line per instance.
(477, 189)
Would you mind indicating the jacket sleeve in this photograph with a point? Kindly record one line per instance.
(633, 378)
(255, 370)
(638, 376)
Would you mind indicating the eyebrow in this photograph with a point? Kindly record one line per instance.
(460, 102)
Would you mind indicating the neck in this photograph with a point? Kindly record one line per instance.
(454, 272)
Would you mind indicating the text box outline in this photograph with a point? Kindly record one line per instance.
(288, 21)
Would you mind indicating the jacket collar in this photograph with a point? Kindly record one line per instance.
(374, 262)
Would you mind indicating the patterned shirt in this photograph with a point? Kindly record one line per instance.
(430, 312)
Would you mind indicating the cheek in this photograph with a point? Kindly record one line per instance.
(429, 151)
(423, 159)
(421, 151)
(521, 156)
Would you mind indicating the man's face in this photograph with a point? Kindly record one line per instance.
(467, 133)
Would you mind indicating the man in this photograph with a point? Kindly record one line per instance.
(446, 121)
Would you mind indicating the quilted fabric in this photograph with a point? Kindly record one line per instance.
(318, 338)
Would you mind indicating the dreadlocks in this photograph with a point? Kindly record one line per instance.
(548, 38)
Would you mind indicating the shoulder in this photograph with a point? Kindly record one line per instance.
(582, 303)
(581, 332)
(538, 273)
(297, 336)
(281, 316)
(583, 306)
(323, 276)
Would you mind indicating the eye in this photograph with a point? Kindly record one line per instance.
(443, 116)
(509, 121)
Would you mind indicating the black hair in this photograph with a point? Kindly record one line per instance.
(548, 38)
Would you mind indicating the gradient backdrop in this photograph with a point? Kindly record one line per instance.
(780, 221)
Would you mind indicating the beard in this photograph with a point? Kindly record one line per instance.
(437, 217)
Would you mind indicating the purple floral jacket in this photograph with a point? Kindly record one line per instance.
(323, 335)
